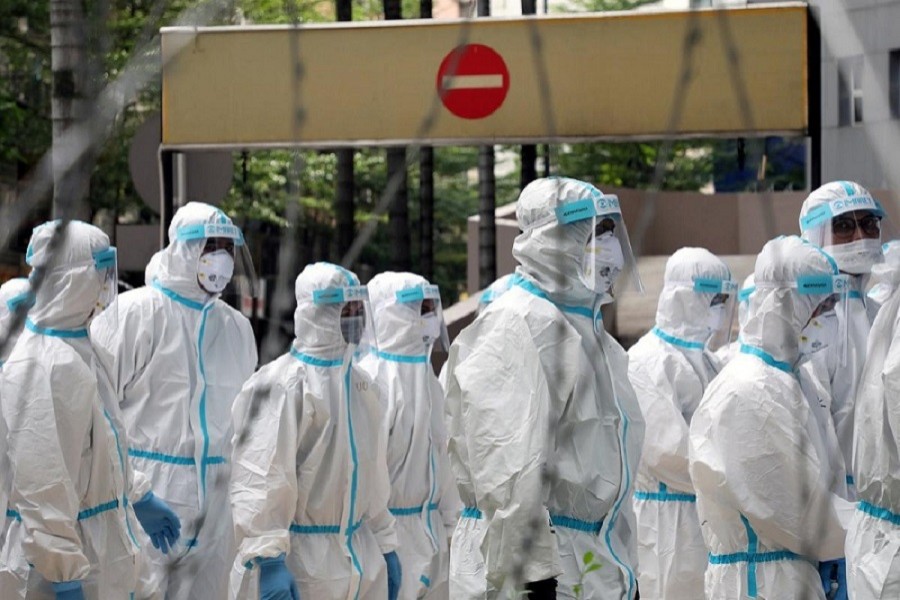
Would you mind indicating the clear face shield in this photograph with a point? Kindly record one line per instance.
(850, 230)
(106, 263)
(722, 294)
(607, 251)
(828, 324)
(225, 258)
(425, 300)
(355, 313)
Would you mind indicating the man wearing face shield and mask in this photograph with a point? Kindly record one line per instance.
(310, 485)
(424, 499)
(177, 359)
(545, 430)
(72, 529)
(844, 219)
(670, 367)
(756, 457)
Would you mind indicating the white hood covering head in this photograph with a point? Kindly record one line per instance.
(72, 283)
(778, 312)
(152, 269)
(549, 253)
(398, 326)
(317, 328)
(177, 263)
(10, 292)
(681, 311)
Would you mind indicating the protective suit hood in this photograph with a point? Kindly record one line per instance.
(681, 311)
(70, 273)
(317, 328)
(777, 312)
(549, 253)
(397, 328)
(177, 263)
(12, 292)
(152, 268)
(888, 272)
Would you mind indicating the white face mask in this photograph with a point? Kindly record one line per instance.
(602, 262)
(819, 333)
(715, 318)
(856, 257)
(214, 271)
(431, 328)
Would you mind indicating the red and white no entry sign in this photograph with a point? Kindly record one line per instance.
(473, 81)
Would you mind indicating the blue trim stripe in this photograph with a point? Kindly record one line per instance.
(534, 290)
(878, 512)
(744, 294)
(184, 461)
(576, 524)
(677, 341)
(664, 495)
(354, 481)
(470, 512)
(204, 426)
(58, 333)
(124, 473)
(315, 529)
(192, 304)
(412, 510)
(12, 514)
(752, 550)
(425, 581)
(96, 510)
(315, 361)
(192, 543)
(623, 444)
(401, 358)
(849, 479)
(855, 295)
(766, 358)
(759, 557)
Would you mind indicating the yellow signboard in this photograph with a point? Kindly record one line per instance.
(488, 80)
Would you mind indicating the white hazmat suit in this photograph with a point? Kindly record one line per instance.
(545, 430)
(177, 359)
(310, 478)
(885, 278)
(670, 367)
(856, 258)
(756, 457)
(71, 490)
(873, 538)
(424, 499)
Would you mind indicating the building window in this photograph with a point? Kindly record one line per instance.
(894, 80)
(850, 91)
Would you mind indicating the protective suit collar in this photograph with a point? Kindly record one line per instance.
(777, 313)
(397, 326)
(589, 311)
(317, 328)
(176, 265)
(71, 273)
(548, 253)
(682, 312)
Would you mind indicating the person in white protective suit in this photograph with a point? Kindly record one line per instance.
(177, 360)
(15, 295)
(844, 219)
(494, 291)
(670, 367)
(873, 538)
(756, 457)
(310, 485)
(545, 430)
(733, 349)
(72, 528)
(885, 278)
(424, 499)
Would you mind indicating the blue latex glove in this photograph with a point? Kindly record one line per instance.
(68, 590)
(159, 521)
(395, 574)
(275, 580)
(834, 578)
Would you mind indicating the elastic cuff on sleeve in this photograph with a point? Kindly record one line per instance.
(66, 586)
